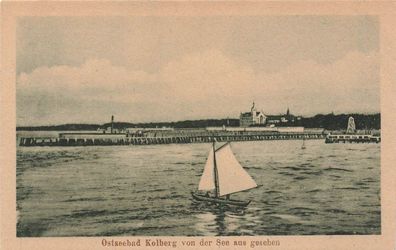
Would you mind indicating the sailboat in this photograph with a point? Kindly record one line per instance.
(303, 144)
(225, 176)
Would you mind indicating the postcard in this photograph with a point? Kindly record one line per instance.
(198, 125)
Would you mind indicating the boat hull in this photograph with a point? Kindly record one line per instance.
(219, 201)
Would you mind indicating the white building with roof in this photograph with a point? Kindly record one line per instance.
(253, 117)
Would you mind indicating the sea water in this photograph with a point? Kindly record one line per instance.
(146, 190)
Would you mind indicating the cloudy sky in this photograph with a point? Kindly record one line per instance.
(84, 69)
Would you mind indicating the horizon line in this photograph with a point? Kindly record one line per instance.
(199, 119)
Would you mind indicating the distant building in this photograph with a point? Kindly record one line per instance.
(279, 119)
(134, 130)
(110, 130)
(253, 117)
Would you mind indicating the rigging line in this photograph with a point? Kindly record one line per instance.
(222, 146)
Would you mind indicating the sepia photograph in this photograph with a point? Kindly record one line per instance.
(198, 126)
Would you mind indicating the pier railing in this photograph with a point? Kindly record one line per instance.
(149, 139)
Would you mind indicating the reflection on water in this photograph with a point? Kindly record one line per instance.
(217, 220)
(146, 190)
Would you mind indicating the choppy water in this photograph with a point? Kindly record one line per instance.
(145, 190)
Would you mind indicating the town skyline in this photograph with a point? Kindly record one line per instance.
(233, 118)
(149, 69)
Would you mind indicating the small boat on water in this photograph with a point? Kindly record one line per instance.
(223, 176)
(303, 144)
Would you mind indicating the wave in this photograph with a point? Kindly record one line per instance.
(253, 168)
(167, 197)
(369, 179)
(337, 169)
(335, 211)
(87, 213)
(349, 188)
(316, 173)
(286, 173)
(85, 199)
(361, 183)
(272, 192)
(314, 190)
(303, 211)
(335, 176)
(168, 170)
(296, 168)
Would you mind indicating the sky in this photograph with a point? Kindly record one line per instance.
(150, 69)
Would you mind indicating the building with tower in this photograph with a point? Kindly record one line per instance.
(258, 118)
(251, 118)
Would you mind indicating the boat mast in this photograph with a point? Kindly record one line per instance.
(216, 173)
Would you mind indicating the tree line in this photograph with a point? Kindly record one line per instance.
(326, 121)
(338, 122)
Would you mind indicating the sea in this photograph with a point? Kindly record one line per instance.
(324, 189)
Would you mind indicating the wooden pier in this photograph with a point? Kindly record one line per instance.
(352, 138)
(124, 139)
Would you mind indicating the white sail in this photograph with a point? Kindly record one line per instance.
(231, 175)
(207, 180)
